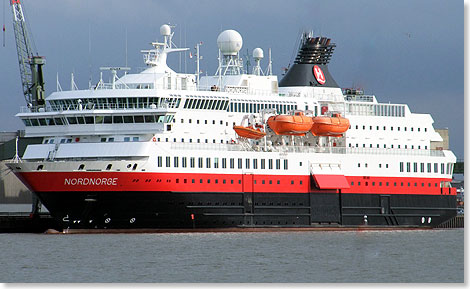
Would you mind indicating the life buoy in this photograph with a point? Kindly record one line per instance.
(154, 139)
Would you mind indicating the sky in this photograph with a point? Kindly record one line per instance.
(402, 51)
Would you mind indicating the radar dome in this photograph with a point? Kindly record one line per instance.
(229, 42)
(258, 53)
(165, 30)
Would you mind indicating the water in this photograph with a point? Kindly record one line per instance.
(362, 256)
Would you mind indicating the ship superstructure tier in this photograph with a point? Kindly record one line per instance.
(165, 149)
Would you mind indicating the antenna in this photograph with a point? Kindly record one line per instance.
(58, 87)
(257, 55)
(269, 70)
(3, 23)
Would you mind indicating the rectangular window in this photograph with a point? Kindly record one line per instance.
(401, 167)
(159, 162)
(167, 162)
(199, 162)
(192, 162)
(263, 164)
(183, 162)
(255, 164)
(436, 170)
(429, 167)
(422, 167)
(408, 167)
(247, 163)
(442, 168)
(175, 162)
(285, 165)
(224, 163)
(278, 164)
(232, 163)
(270, 164)
(208, 163)
(216, 163)
(240, 163)
(415, 167)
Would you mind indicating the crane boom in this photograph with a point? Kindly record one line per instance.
(30, 65)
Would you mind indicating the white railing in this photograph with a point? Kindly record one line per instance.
(94, 106)
(307, 149)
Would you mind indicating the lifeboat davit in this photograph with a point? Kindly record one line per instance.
(296, 124)
(334, 126)
(249, 132)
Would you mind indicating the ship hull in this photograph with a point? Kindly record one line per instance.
(142, 209)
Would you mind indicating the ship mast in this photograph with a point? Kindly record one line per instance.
(30, 65)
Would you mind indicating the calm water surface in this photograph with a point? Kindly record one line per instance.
(386, 256)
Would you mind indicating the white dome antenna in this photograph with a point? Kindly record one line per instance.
(258, 54)
(165, 30)
(229, 42)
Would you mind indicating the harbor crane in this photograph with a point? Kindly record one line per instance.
(32, 78)
(31, 64)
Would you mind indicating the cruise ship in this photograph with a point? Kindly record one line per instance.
(164, 149)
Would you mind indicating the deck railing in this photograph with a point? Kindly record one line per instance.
(307, 149)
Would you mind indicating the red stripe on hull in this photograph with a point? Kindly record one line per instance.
(45, 181)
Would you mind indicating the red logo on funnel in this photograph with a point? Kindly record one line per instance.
(319, 76)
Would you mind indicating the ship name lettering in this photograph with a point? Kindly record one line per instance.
(91, 181)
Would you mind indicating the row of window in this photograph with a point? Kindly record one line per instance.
(391, 146)
(99, 119)
(385, 128)
(447, 169)
(395, 110)
(116, 103)
(103, 139)
(222, 163)
(211, 104)
(257, 107)
(216, 181)
(386, 184)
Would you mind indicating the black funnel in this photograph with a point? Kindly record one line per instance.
(310, 67)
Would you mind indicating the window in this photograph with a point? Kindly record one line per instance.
(436, 168)
(270, 164)
(263, 164)
(167, 162)
(415, 167)
(401, 167)
(278, 164)
(442, 169)
(232, 163)
(255, 164)
(208, 163)
(192, 162)
(159, 161)
(408, 167)
(224, 163)
(285, 165)
(216, 163)
(175, 162)
(240, 163)
(422, 167)
(429, 167)
(199, 162)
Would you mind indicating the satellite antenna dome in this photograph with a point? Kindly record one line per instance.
(165, 30)
(229, 42)
(258, 53)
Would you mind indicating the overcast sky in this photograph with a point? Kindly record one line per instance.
(402, 51)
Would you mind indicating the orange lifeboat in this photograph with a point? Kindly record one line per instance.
(334, 126)
(249, 132)
(296, 124)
